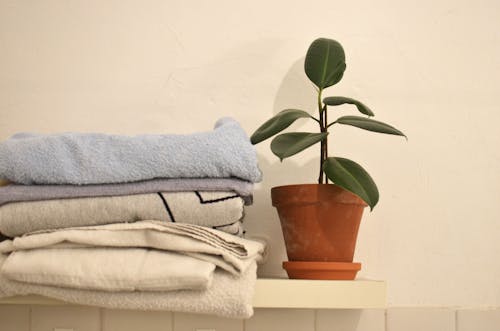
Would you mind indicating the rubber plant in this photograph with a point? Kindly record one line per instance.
(324, 66)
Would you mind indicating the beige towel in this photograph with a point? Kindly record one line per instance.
(229, 252)
(109, 269)
(229, 296)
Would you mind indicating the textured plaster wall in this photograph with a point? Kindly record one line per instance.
(430, 68)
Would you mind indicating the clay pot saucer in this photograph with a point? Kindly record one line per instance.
(321, 270)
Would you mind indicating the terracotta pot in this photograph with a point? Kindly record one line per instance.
(320, 222)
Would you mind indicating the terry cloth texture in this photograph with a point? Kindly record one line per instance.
(229, 296)
(221, 210)
(20, 193)
(109, 269)
(75, 158)
(226, 251)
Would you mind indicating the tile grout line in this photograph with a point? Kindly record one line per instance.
(385, 319)
(456, 320)
(173, 321)
(315, 320)
(101, 319)
(29, 318)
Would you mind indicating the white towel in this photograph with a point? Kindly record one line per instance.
(109, 269)
(229, 296)
(229, 252)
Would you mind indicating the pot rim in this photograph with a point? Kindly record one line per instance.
(353, 198)
(307, 184)
(321, 265)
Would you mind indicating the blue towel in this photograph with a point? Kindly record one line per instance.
(80, 159)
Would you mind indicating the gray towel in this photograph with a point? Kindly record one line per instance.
(20, 193)
(76, 158)
(218, 210)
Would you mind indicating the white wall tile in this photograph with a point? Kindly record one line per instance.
(281, 320)
(132, 320)
(420, 319)
(14, 318)
(46, 318)
(350, 320)
(478, 320)
(194, 322)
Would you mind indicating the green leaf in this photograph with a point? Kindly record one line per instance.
(276, 124)
(288, 144)
(369, 124)
(325, 62)
(352, 177)
(337, 101)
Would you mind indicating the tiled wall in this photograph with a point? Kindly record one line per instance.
(65, 318)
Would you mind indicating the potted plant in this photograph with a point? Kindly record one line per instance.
(320, 221)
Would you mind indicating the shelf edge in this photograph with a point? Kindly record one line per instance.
(284, 293)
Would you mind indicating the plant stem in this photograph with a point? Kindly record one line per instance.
(325, 155)
(322, 129)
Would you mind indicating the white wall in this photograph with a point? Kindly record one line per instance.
(431, 68)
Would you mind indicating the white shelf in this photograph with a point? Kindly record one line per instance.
(328, 294)
(287, 293)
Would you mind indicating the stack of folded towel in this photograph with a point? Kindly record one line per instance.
(145, 222)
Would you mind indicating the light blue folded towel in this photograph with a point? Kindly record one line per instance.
(78, 158)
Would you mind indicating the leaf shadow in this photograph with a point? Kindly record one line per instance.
(295, 91)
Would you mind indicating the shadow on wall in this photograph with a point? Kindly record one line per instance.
(288, 172)
(261, 219)
(296, 91)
